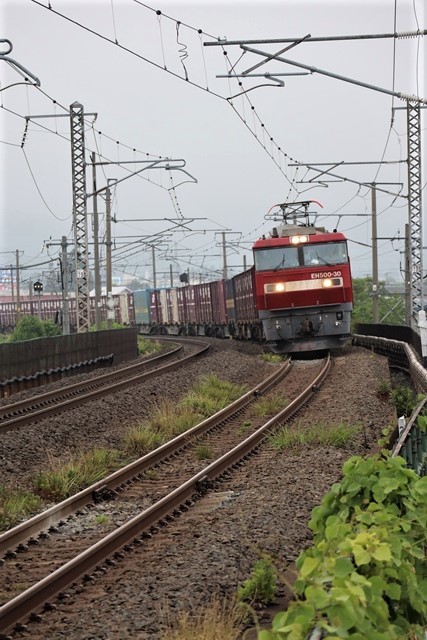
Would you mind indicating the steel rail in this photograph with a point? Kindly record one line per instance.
(69, 403)
(27, 602)
(42, 521)
(27, 403)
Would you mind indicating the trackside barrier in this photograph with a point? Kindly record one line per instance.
(15, 384)
(409, 441)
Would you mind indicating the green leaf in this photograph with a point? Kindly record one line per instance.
(382, 553)
(309, 565)
(393, 591)
(343, 567)
(361, 555)
(317, 596)
(342, 616)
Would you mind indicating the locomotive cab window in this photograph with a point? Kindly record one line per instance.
(276, 258)
(325, 254)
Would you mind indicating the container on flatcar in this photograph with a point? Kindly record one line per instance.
(218, 302)
(141, 303)
(203, 303)
(303, 288)
(246, 314)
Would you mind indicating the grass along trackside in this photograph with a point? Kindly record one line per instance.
(65, 477)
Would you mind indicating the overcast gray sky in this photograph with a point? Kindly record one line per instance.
(115, 67)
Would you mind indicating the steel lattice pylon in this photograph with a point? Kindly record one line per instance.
(415, 214)
(80, 216)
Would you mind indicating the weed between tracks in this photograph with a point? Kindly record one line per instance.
(221, 619)
(64, 478)
(336, 435)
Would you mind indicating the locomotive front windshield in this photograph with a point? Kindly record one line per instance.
(278, 258)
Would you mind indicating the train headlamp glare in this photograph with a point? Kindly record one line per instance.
(299, 239)
(327, 283)
(276, 287)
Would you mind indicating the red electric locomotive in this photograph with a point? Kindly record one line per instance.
(303, 285)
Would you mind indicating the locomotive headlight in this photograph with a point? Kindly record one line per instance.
(276, 287)
(327, 283)
(298, 239)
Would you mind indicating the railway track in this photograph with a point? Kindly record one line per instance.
(30, 410)
(155, 496)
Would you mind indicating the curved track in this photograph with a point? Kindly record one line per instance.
(30, 410)
(232, 452)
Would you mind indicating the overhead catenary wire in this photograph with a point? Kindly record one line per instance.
(159, 14)
(261, 138)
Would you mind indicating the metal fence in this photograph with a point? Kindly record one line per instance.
(32, 356)
(409, 442)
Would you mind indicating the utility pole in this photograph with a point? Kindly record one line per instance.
(375, 304)
(80, 216)
(413, 107)
(162, 163)
(65, 273)
(224, 251)
(108, 243)
(224, 257)
(76, 118)
(407, 256)
(153, 256)
(96, 248)
(64, 287)
(171, 275)
(18, 293)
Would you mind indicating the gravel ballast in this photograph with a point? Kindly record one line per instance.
(263, 508)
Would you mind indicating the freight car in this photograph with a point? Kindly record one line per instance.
(297, 297)
(223, 308)
(49, 307)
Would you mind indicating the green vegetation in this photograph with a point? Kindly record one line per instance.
(210, 395)
(142, 439)
(405, 400)
(31, 327)
(274, 358)
(16, 505)
(269, 406)
(365, 575)
(391, 305)
(169, 419)
(148, 347)
(102, 519)
(384, 390)
(332, 435)
(104, 326)
(247, 424)
(63, 480)
(261, 587)
(221, 620)
(203, 452)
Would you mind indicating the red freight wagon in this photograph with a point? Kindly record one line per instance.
(219, 312)
(202, 297)
(155, 312)
(244, 296)
(172, 302)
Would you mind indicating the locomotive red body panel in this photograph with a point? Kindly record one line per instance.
(303, 288)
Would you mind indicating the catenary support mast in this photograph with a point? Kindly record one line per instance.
(80, 216)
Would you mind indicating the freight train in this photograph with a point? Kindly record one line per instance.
(297, 297)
